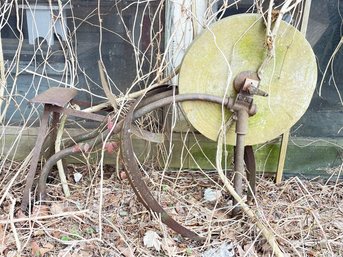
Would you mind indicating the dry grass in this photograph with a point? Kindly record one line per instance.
(306, 217)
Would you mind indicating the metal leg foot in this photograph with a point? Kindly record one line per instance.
(249, 159)
(35, 158)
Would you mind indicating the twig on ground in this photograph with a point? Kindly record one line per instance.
(14, 229)
(255, 217)
(34, 218)
(22, 167)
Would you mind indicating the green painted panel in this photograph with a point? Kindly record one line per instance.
(307, 156)
(320, 157)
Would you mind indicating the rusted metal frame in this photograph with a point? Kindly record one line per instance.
(56, 96)
(150, 98)
(243, 108)
(241, 131)
(35, 157)
(53, 97)
(136, 180)
(56, 110)
(247, 85)
(75, 147)
(53, 134)
(79, 114)
(54, 100)
(180, 98)
(132, 168)
(250, 163)
(86, 137)
(156, 94)
(250, 168)
(82, 147)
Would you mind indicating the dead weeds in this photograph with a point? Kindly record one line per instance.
(306, 217)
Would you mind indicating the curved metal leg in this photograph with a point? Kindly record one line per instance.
(250, 163)
(132, 168)
(35, 158)
(138, 184)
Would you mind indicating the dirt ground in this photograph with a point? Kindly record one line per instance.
(305, 216)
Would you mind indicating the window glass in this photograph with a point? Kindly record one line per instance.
(60, 45)
(325, 115)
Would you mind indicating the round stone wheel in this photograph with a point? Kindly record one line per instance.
(236, 44)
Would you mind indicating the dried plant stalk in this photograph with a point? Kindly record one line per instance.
(271, 32)
(60, 167)
(269, 236)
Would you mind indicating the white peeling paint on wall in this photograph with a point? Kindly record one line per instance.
(184, 20)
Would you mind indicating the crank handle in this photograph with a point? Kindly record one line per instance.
(257, 91)
(252, 87)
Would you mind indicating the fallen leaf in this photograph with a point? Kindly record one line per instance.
(123, 175)
(20, 214)
(77, 177)
(223, 250)
(38, 232)
(133, 210)
(3, 245)
(11, 254)
(85, 253)
(76, 149)
(86, 147)
(169, 246)
(227, 234)
(40, 210)
(110, 123)
(35, 249)
(338, 224)
(57, 208)
(56, 233)
(211, 195)
(179, 208)
(123, 213)
(46, 248)
(240, 251)
(152, 240)
(125, 251)
(110, 147)
(2, 233)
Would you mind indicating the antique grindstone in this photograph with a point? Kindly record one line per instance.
(218, 80)
(224, 61)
